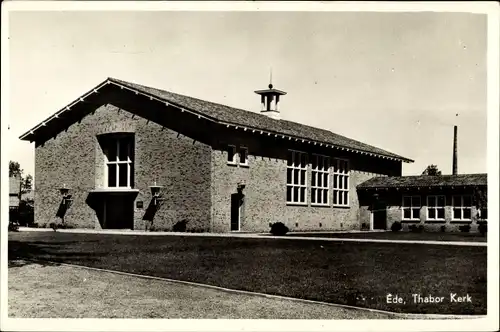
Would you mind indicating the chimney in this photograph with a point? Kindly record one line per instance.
(455, 166)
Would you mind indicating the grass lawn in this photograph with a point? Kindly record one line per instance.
(425, 236)
(359, 274)
(71, 292)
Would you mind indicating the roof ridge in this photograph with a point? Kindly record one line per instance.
(255, 113)
(237, 117)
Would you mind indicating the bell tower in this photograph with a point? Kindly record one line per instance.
(269, 100)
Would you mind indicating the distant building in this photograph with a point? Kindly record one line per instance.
(14, 196)
(100, 161)
(431, 201)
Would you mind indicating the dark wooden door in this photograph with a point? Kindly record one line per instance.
(379, 216)
(119, 212)
(236, 203)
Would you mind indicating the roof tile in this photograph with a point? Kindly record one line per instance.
(425, 181)
(253, 120)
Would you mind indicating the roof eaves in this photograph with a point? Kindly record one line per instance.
(183, 108)
(306, 140)
(63, 110)
(254, 129)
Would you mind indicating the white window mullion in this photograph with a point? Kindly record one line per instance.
(128, 175)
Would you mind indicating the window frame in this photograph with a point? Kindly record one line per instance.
(115, 142)
(234, 160)
(436, 207)
(462, 208)
(411, 208)
(336, 191)
(315, 174)
(243, 148)
(291, 184)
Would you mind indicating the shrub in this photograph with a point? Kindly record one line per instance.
(396, 226)
(413, 228)
(180, 226)
(483, 228)
(421, 228)
(13, 226)
(54, 226)
(26, 213)
(443, 228)
(364, 226)
(279, 229)
(464, 228)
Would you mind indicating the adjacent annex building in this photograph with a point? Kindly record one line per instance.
(128, 156)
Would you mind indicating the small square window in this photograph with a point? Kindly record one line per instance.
(243, 156)
(231, 154)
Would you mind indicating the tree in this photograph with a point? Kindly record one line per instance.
(15, 169)
(26, 184)
(431, 170)
(480, 197)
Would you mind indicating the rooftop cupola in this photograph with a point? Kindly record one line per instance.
(269, 100)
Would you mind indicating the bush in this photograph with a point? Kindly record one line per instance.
(13, 226)
(421, 228)
(180, 226)
(396, 226)
(26, 213)
(364, 226)
(443, 228)
(54, 226)
(464, 228)
(279, 229)
(483, 228)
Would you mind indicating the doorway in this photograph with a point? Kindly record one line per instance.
(379, 215)
(119, 212)
(236, 211)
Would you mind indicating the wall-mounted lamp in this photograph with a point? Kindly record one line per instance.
(155, 191)
(240, 186)
(67, 200)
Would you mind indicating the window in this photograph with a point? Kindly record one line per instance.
(462, 207)
(119, 156)
(320, 183)
(296, 175)
(340, 182)
(435, 207)
(231, 154)
(411, 207)
(243, 156)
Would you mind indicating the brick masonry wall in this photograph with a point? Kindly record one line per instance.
(265, 191)
(75, 158)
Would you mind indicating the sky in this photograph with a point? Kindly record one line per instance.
(392, 80)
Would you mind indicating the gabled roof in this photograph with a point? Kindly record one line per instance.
(238, 118)
(459, 180)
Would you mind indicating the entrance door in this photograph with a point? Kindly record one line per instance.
(119, 212)
(236, 207)
(379, 213)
